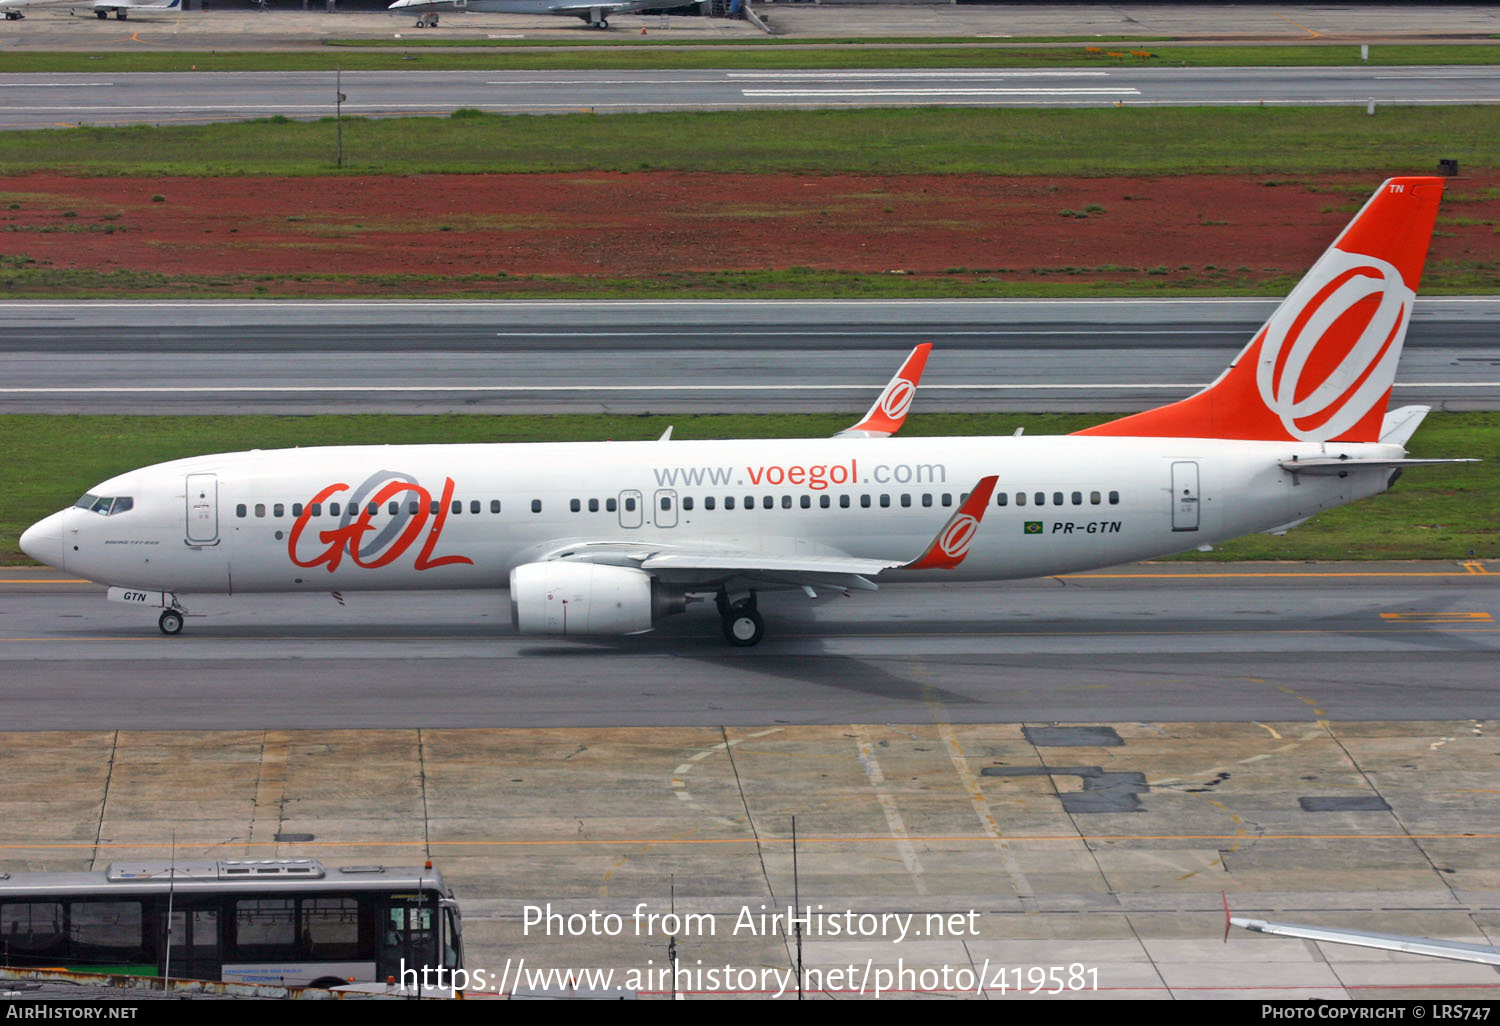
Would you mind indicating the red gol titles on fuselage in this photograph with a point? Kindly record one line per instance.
(349, 539)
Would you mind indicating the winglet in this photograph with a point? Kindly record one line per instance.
(889, 412)
(952, 543)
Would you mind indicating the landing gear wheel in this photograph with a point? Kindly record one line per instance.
(604, 23)
(102, 15)
(170, 622)
(744, 628)
(740, 622)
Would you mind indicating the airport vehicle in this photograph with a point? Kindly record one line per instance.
(595, 13)
(610, 537)
(102, 9)
(286, 921)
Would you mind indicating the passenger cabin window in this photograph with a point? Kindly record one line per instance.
(905, 500)
(296, 509)
(708, 502)
(1094, 498)
(575, 506)
(240, 511)
(536, 505)
(393, 507)
(843, 502)
(629, 505)
(687, 502)
(473, 505)
(1114, 498)
(610, 505)
(593, 506)
(495, 505)
(278, 510)
(1078, 498)
(729, 502)
(260, 509)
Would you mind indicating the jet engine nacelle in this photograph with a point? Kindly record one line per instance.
(559, 597)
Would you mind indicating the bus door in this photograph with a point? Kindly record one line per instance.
(408, 937)
(195, 952)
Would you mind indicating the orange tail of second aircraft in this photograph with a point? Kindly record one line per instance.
(1321, 369)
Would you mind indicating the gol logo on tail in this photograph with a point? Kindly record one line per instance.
(391, 542)
(897, 399)
(1326, 333)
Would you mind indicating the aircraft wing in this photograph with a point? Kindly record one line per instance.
(706, 566)
(609, 6)
(1481, 953)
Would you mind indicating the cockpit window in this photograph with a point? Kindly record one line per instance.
(106, 505)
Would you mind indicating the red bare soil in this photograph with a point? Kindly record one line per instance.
(640, 225)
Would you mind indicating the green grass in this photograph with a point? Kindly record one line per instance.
(1113, 141)
(1433, 513)
(646, 54)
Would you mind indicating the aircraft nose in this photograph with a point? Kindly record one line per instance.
(43, 541)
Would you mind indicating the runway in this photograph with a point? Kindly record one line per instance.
(668, 357)
(1156, 642)
(45, 101)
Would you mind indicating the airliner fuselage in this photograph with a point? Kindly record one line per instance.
(464, 516)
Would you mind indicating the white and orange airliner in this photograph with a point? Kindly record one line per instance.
(610, 537)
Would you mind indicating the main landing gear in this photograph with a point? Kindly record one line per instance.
(740, 621)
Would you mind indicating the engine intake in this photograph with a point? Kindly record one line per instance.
(559, 597)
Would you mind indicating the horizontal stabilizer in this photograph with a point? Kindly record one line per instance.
(1343, 464)
(1399, 425)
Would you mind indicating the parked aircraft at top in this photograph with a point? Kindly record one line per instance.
(609, 537)
(101, 8)
(595, 13)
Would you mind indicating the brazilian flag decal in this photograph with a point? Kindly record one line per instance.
(1033, 527)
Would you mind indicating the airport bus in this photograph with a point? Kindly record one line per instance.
(287, 921)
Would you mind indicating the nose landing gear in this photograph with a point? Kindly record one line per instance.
(740, 621)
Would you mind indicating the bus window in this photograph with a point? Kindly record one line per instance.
(31, 929)
(105, 933)
(265, 929)
(330, 929)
